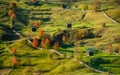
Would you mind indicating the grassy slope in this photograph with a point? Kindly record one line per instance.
(36, 57)
(114, 14)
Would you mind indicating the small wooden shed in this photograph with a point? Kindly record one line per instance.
(33, 28)
(90, 51)
(69, 25)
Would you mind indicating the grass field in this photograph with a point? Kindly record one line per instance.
(44, 62)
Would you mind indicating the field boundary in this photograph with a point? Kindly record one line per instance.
(109, 17)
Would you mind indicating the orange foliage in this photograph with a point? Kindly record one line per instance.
(14, 61)
(35, 42)
(14, 51)
(40, 34)
(10, 12)
(47, 43)
(63, 38)
(13, 16)
(12, 5)
(36, 24)
(56, 46)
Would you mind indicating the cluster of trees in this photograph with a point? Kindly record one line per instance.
(45, 42)
(11, 13)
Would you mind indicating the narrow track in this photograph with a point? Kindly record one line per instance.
(109, 17)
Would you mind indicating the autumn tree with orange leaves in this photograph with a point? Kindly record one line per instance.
(47, 43)
(56, 46)
(13, 50)
(13, 5)
(36, 24)
(10, 12)
(13, 17)
(64, 38)
(40, 34)
(35, 42)
(14, 61)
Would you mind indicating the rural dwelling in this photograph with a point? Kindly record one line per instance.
(90, 51)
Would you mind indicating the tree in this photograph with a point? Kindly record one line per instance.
(36, 24)
(13, 5)
(13, 50)
(56, 46)
(96, 5)
(14, 61)
(64, 38)
(110, 49)
(35, 42)
(10, 12)
(47, 43)
(13, 17)
(40, 34)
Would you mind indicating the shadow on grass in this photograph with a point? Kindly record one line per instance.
(111, 56)
(66, 51)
